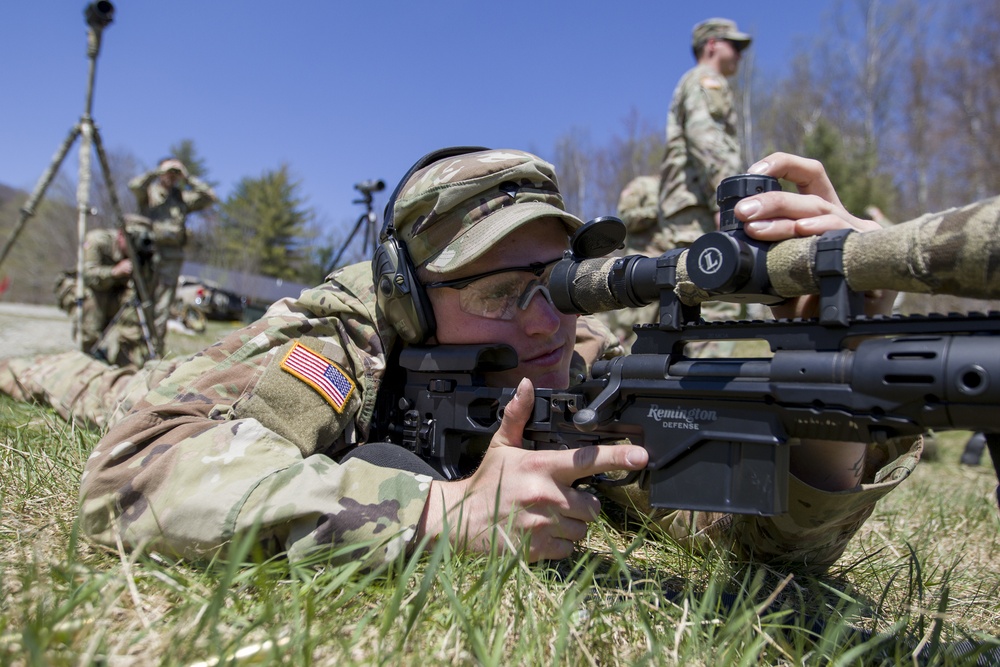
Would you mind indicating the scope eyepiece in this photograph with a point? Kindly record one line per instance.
(99, 14)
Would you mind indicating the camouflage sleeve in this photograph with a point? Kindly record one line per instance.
(710, 131)
(241, 438)
(97, 262)
(199, 196)
(139, 187)
(949, 252)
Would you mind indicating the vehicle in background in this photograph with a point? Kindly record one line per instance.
(211, 299)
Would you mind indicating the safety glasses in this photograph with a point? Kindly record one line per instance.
(498, 294)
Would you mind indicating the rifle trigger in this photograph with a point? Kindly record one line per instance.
(609, 481)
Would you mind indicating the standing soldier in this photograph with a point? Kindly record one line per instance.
(166, 195)
(702, 146)
(702, 149)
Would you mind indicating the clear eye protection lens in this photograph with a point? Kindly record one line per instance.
(498, 294)
(503, 303)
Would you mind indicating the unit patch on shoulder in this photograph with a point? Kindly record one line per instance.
(320, 373)
(710, 82)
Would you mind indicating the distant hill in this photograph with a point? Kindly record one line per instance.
(44, 248)
(7, 193)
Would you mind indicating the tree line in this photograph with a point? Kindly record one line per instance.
(900, 99)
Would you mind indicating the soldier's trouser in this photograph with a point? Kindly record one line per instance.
(78, 386)
(168, 270)
(98, 309)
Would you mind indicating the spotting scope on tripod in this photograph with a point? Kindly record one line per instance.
(367, 223)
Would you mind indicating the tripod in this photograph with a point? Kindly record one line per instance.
(98, 15)
(367, 220)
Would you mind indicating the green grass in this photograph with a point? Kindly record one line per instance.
(923, 571)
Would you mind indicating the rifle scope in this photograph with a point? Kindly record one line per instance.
(727, 263)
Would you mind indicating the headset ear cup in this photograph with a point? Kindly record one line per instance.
(399, 294)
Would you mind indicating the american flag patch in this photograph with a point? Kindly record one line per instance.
(319, 373)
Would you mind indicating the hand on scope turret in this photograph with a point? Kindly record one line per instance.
(815, 209)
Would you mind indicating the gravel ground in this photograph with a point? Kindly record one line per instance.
(27, 329)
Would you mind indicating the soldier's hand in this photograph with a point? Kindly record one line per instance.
(518, 494)
(815, 209)
(122, 269)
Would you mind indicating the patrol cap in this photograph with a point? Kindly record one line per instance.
(450, 213)
(719, 29)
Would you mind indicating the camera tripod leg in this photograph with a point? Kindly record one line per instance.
(365, 217)
(28, 210)
(83, 210)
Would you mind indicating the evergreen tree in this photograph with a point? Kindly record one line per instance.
(185, 151)
(264, 226)
(847, 169)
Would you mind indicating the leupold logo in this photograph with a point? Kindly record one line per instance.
(710, 260)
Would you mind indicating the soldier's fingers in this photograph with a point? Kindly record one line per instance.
(779, 229)
(550, 549)
(582, 507)
(573, 530)
(808, 175)
(568, 466)
(515, 416)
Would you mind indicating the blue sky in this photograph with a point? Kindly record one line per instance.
(347, 91)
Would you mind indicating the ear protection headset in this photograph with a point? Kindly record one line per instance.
(400, 296)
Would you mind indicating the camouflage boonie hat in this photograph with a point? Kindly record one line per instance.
(719, 29)
(453, 211)
(137, 223)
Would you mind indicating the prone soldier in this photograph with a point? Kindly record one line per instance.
(276, 429)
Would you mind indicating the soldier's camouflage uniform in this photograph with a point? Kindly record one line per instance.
(106, 296)
(167, 209)
(233, 438)
(702, 149)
